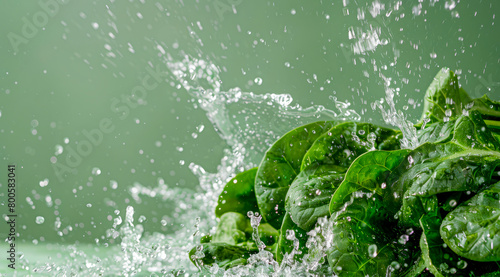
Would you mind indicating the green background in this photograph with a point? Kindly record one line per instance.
(60, 79)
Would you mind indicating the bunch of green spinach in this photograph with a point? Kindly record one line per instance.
(432, 210)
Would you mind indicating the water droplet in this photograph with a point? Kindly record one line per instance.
(142, 219)
(158, 143)
(89, 205)
(433, 55)
(462, 264)
(180, 149)
(258, 81)
(40, 220)
(59, 150)
(372, 250)
(113, 184)
(395, 265)
(95, 25)
(410, 160)
(450, 5)
(96, 171)
(293, 11)
(403, 239)
(44, 183)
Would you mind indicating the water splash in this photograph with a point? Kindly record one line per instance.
(396, 117)
(243, 119)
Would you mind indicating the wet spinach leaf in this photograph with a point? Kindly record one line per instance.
(223, 254)
(362, 245)
(238, 195)
(280, 166)
(233, 238)
(444, 98)
(369, 172)
(472, 230)
(440, 259)
(292, 239)
(342, 144)
(309, 195)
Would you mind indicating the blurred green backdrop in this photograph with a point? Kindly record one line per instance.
(66, 64)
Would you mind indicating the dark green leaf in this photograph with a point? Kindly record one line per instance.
(238, 195)
(342, 144)
(471, 132)
(440, 259)
(361, 244)
(367, 173)
(287, 245)
(433, 169)
(473, 229)
(490, 110)
(309, 195)
(444, 99)
(280, 166)
(438, 132)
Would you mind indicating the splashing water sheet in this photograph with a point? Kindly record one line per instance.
(369, 61)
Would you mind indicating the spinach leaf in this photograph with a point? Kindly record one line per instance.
(233, 241)
(342, 144)
(471, 132)
(292, 239)
(472, 230)
(220, 253)
(444, 99)
(309, 195)
(238, 195)
(368, 173)
(280, 166)
(231, 229)
(439, 259)
(438, 132)
(488, 108)
(433, 169)
(361, 234)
